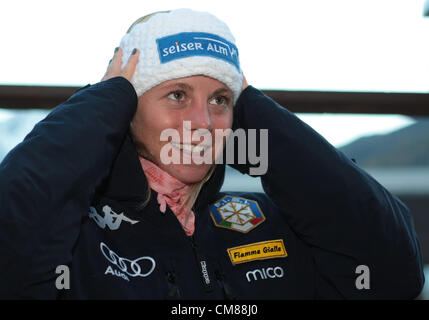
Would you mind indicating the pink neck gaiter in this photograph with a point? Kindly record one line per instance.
(171, 192)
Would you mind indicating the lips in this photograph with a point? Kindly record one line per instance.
(190, 147)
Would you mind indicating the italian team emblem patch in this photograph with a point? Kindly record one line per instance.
(236, 213)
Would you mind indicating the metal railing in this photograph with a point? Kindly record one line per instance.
(412, 104)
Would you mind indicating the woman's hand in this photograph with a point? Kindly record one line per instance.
(245, 84)
(114, 68)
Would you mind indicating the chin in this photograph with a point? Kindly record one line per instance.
(188, 173)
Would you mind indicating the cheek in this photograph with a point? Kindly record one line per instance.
(222, 121)
(220, 124)
(147, 126)
(141, 127)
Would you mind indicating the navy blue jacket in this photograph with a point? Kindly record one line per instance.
(71, 195)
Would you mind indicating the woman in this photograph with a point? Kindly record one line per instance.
(90, 190)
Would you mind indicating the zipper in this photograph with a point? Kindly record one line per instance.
(202, 265)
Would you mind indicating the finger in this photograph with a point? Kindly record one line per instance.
(116, 50)
(114, 66)
(245, 84)
(131, 65)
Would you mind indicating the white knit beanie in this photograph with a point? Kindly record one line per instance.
(182, 43)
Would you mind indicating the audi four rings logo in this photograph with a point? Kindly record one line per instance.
(263, 273)
(133, 268)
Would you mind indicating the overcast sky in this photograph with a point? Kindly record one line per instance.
(353, 45)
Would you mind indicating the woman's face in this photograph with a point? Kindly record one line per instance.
(199, 101)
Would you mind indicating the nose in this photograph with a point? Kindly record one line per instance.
(199, 114)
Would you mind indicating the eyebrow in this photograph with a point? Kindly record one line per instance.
(221, 91)
(185, 86)
(180, 85)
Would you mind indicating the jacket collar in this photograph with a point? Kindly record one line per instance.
(127, 181)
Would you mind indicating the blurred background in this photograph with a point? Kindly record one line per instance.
(357, 71)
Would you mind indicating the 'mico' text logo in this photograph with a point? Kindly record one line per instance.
(187, 44)
(263, 274)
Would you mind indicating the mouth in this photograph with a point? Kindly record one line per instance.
(187, 147)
